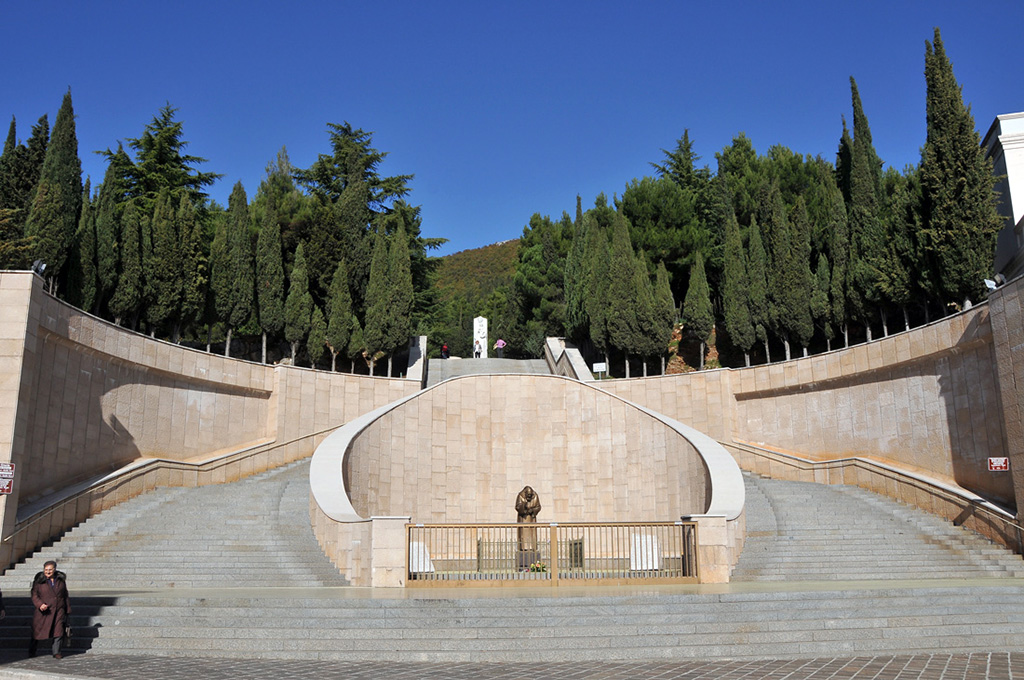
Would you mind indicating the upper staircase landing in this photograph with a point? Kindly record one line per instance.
(440, 370)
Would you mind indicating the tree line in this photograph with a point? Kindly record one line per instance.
(771, 252)
(323, 260)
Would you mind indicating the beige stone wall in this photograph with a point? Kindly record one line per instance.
(925, 400)
(80, 397)
(463, 451)
(1007, 309)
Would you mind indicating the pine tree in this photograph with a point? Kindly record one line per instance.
(341, 322)
(298, 306)
(959, 212)
(317, 343)
(698, 317)
(270, 277)
(736, 292)
(53, 217)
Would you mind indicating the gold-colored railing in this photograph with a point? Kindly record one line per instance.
(551, 554)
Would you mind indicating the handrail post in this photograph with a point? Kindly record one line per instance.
(554, 553)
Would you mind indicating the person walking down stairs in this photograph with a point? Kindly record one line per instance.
(50, 608)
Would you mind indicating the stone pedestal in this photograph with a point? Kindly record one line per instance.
(389, 552)
(712, 547)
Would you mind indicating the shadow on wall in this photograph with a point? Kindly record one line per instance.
(91, 413)
(974, 415)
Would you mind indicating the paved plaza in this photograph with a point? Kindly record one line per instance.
(979, 666)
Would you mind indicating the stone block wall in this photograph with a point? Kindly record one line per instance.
(462, 451)
(80, 398)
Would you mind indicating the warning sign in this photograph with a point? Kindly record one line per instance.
(998, 464)
(6, 486)
(6, 470)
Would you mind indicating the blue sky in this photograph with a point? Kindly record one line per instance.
(499, 109)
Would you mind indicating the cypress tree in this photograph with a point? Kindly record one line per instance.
(698, 317)
(798, 278)
(84, 283)
(340, 323)
(866, 227)
(664, 309)
(574, 279)
(53, 217)
(234, 296)
(820, 309)
(298, 307)
(736, 290)
(375, 333)
(165, 266)
(127, 298)
(776, 229)
(651, 338)
(110, 206)
(402, 294)
(959, 212)
(621, 311)
(194, 266)
(317, 337)
(270, 277)
(758, 278)
(20, 167)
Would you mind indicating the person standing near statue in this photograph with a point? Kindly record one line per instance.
(51, 608)
(477, 350)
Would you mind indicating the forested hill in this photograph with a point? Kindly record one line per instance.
(468, 283)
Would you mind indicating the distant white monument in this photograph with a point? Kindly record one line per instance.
(480, 335)
(1004, 144)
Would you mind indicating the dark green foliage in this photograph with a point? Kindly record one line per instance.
(298, 306)
(341, 323)
(270, 277)
(317, 344)
(127, 299)
(401, 302)
(165, 265)
(378, 298)
(83, 286)
(194, 264)
(698, 318)
(757, 276)
(819, 304)
(736, 290)
(20, 167)
(960, 221)
(161, 164)
(573, 289)
(15, 250)
(539, 279)
(621, 310)
(664, 308)
(799, 280)
(53, 216)
(110, 206)
(234, 284)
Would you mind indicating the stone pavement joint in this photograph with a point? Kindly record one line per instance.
(975, 666)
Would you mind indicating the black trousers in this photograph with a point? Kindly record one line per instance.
(54, 643)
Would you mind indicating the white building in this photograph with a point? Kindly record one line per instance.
(1004, 144)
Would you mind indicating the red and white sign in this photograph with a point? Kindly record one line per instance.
(6, 486)
(6, 470)
(998, 464)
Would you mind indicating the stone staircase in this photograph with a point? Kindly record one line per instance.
(801, 531)
(198, 606)
(253, 533)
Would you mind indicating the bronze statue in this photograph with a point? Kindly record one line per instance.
(527, 507)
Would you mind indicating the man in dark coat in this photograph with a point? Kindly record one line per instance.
(50, 608)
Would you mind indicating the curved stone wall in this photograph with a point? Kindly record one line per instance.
(80, 397)
(926, 400)
(461, 451)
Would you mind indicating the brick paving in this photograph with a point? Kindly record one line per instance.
(976, 666)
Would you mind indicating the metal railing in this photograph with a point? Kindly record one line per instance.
(551, 554)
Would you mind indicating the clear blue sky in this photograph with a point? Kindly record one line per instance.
(500, 109)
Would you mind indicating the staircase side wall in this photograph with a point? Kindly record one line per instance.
(82, 398)
(938, 400)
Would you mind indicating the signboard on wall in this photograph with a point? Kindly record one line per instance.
(6, 478)
(998, 464)
(6, 486)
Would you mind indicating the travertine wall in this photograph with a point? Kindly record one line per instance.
(927, 400)
(80, 397)
(462, 451)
